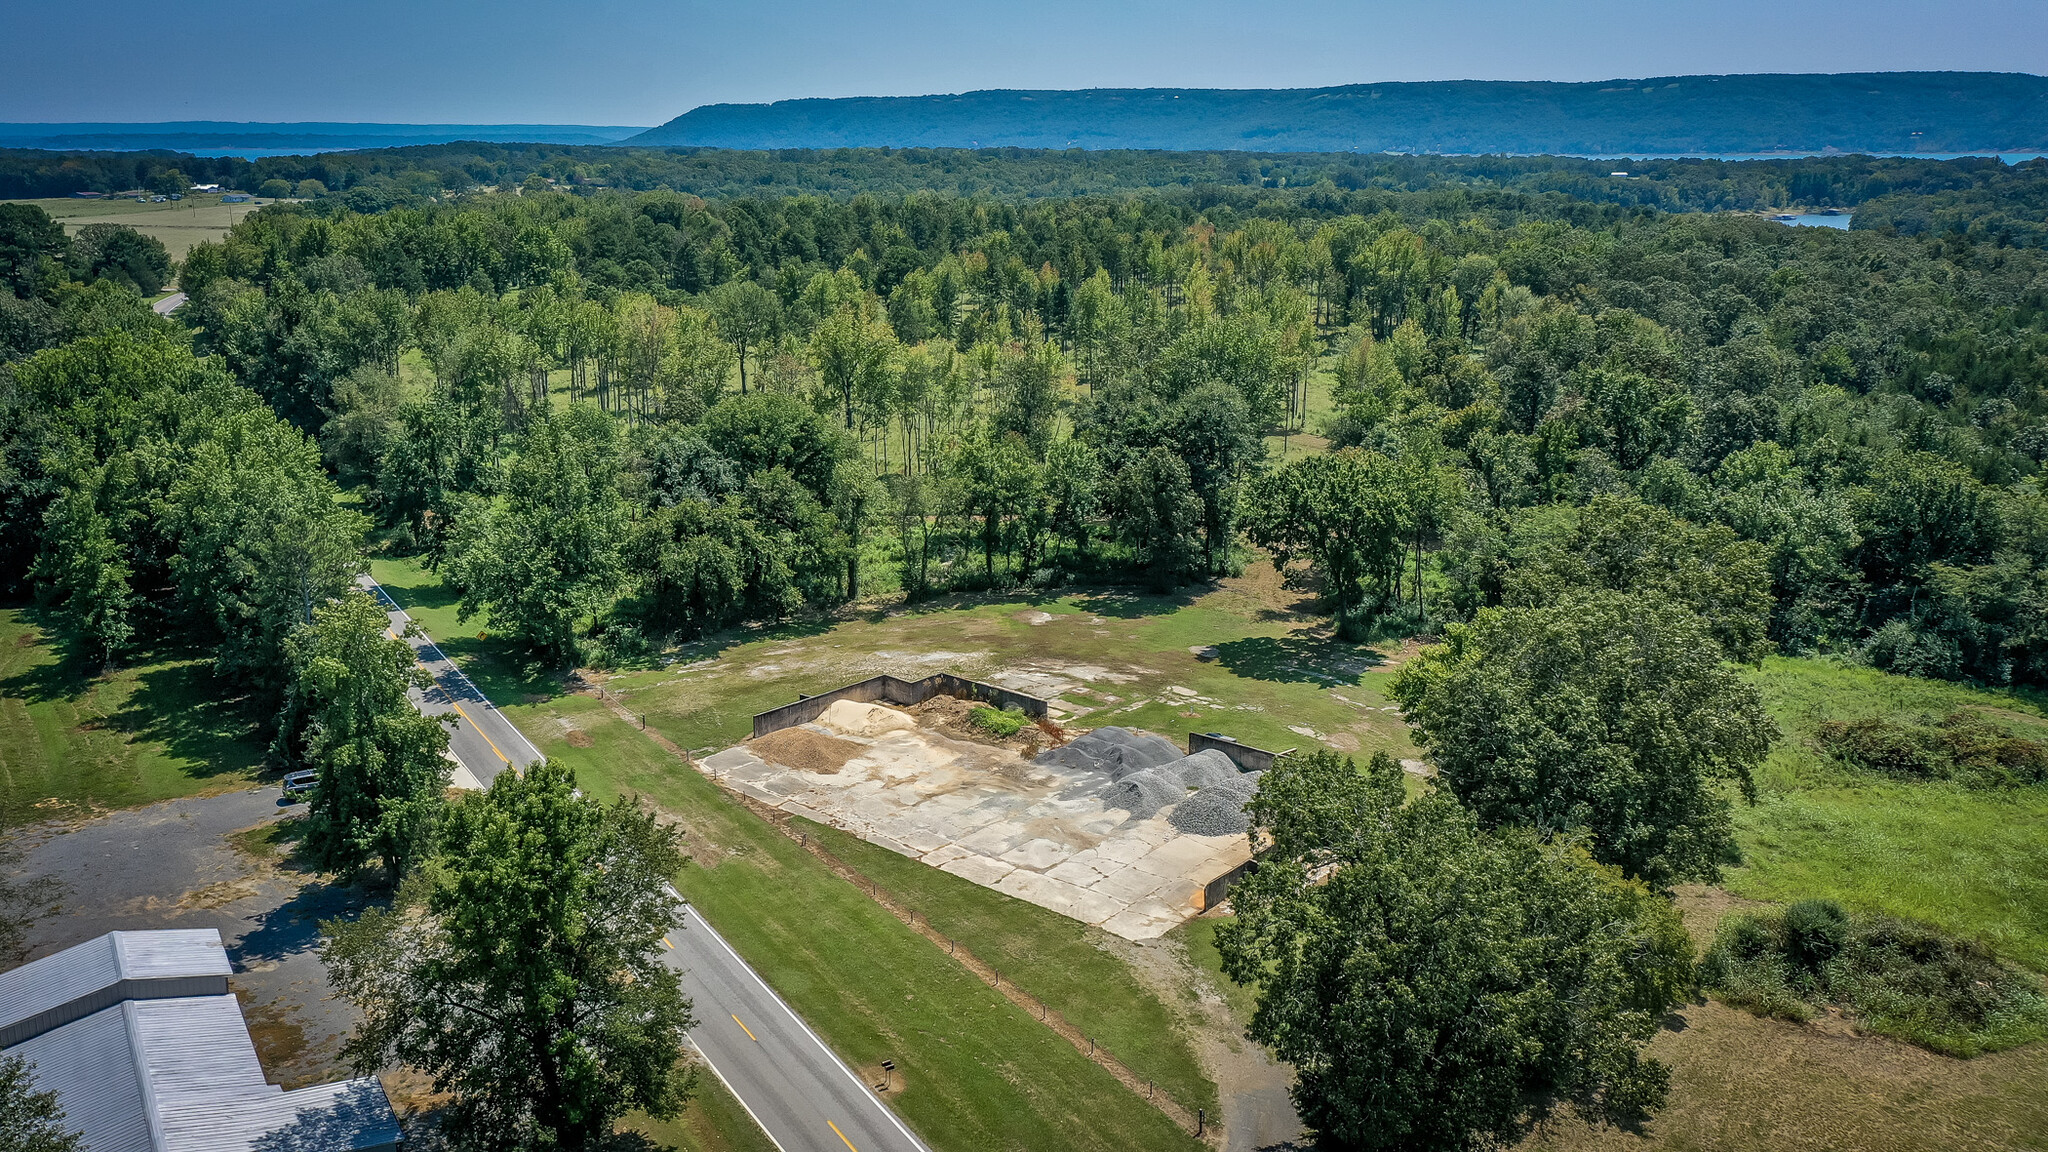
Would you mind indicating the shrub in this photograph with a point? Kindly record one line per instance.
(1815, 931)
(1900, 978)
(1003, 724)
(1962, 745)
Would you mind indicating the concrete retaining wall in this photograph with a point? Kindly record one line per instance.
(1246, 757)
(894, 690)
(1219, 888)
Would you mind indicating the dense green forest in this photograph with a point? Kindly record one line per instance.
(621, 418)
(1981, 196)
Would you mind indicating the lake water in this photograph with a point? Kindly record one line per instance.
(1803, 220)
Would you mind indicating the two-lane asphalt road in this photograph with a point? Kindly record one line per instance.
(483, 741)
(802, 1095)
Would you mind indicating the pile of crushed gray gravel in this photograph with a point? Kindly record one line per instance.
(1142, 774)
(1116, 752)
(1217, 810)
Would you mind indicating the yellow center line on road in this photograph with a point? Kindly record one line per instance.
(458, 708)
(755, 1039)
(667, 945)
(484, 734)
(842, 1136)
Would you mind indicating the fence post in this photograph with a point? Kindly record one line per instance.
(1201, 1120)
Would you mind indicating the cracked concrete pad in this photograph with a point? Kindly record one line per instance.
(945, 854)
(1128, 884)
(980, 869)
(1038, 854)
(989, 816)
(1074, 872)
(1145, 920)
(1184, 856)
(731, 758)
(994, 839)
(1065, 899)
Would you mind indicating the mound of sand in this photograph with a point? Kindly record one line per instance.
(805, 750)
(857, 719)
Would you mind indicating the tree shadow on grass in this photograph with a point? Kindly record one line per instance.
(1297, 659)
(1133, 604)
(65, 678)
(712, 644)
(198, 717)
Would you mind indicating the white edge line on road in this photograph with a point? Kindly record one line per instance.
(865, 1092)
(706, 1057)
(453, 666)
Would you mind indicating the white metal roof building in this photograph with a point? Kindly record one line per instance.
(146, 1049)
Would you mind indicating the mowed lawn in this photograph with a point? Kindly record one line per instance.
(1972, 860)
(73, 742)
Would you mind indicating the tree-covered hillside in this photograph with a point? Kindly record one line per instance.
(1664, 115)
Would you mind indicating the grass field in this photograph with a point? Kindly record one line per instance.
(180, 225)
(1273, 672)
(1060, 961)
(713, 1121)
(1972, 860)
(72, 743)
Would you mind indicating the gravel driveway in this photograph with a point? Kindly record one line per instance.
(179, 864)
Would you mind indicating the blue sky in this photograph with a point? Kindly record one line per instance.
(644, 61)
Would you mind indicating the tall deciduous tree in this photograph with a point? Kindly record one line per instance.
(1437, 987)
(262, 539)
(83, 573)
(1612, 713)
(547, 556)
(1343, 512)
(522, 969)
(854, 350)
(1157, 513)
(382, 772)
(30, 1121)
(747, 315)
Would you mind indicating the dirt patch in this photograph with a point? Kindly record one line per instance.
(280, 1041)
(805, 750)
(1740, 1082)
(1404, 652)
(1258, 1115)
(578, 738)
(1702, 906)
(886, 1081)
(948, 714)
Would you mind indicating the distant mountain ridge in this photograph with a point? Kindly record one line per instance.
(1668, 115)
(200, 136)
